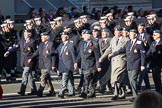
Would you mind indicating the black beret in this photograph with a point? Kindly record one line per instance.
(83, 31)
(95, 30)
(45, 34)
(67, 26)
(133, 30)
(142, 24)
(64, 33)
(157, 31)
(118, 28)
(105, 30)
(29, 31)
(125, 28)
(87, 32)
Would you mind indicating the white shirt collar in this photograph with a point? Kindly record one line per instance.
(120, 38)
(65, 42)
(105, 39)
(45, 42)
(27, 39)
(134, 40)
(157, 41)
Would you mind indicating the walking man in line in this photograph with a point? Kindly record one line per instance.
(135, 55)
(46, 63)
(27, 48)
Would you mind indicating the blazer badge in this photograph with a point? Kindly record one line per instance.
(29, 49)
(66, 53)
(89, 50)
(135, 51)
(159, 52)
(47, 51)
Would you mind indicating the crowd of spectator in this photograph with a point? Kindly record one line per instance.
(94, 13)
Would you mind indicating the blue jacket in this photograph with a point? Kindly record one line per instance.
(67, 57)
(89, 56)
(155, 54)
(27, 50)
(135, 57)
(46, 61)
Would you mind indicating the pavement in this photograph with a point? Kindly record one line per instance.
(12, 100)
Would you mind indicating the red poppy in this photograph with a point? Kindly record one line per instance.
(90, 44)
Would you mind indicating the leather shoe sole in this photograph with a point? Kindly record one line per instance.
(114, 98)
(83, 96)
(39, 94)
(51, 94)
(93, 96)
(123, 97)
(20, 93)
(71, 95)
(132, 100)
(61, 96)
(31, 93)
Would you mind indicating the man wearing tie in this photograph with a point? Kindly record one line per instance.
(96, 35)
(46, 63)
(147, 40)
(67, 58)
(118, 63)
(104, 75)
(155, 52)
(135, 55)
(27, 48)
(88, 55)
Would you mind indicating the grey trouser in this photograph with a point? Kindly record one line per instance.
(27, 77)
(88, 85)
(133, 75)
(67, 83)
(46, 79)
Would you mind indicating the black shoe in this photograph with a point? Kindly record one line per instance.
(83, 95)
(70, 95)
(102, 91)
(40, 91)
(51, 94)
(21, 93)
(13, 79)
(61, 96)
(129, 92)
(122, 97)
(132, 100)
(92, 96)
(109, 92)
(114, 98)
(147, 88)
(32, 93)
(79, 89)
(39, 94)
